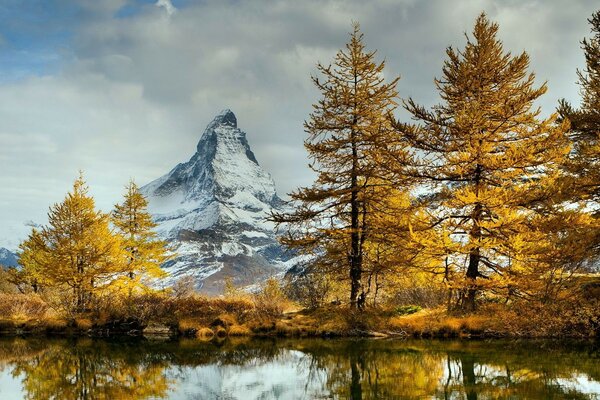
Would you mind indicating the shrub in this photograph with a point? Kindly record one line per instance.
(184, 287)
(83, 323)
(239, 330)
(23, 306)
(270, 301)
(311, 289)
(407, 310)
(426, 296)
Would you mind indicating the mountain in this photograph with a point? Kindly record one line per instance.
(8, 258)
(212, 210)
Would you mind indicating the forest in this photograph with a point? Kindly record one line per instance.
(478, 216)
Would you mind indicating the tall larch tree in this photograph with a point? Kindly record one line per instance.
(76, 253)
(345, 130)
(31, 274)
(143, 250)
(490, 163)
(583, 166)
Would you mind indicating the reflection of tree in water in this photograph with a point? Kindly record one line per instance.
(504, 370)
(96, 369)
(86, 369)
(450, 370)
(349, 369)
(363, 369)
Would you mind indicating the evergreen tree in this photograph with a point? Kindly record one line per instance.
(491, 165)
(345, 130)
(144, 252)
(76, 253)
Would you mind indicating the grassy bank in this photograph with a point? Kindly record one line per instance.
(207, 318)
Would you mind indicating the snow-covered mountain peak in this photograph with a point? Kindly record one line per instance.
(225, 117)
(223, 169)
(214, 207)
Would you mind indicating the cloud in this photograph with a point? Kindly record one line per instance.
(130, 96)
(167, 5)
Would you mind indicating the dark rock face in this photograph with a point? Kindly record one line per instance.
(213, 210)
(227, 118)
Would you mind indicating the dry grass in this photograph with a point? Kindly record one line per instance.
(55, 324)
(22, 306)
(239, 330)
(524, 319)
(205, 318)
(83, 323)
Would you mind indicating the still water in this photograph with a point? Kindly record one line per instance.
(297, 369)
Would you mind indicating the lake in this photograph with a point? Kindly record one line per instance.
(36, 368)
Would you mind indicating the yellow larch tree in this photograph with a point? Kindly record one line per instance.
(583, 165)
(31, 275)
(490, 165)
(347, 126)
(76, 254)
(143, 251)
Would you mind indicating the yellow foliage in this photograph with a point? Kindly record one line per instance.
(142, 251)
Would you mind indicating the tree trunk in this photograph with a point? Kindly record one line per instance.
(355, 256)
(472, 273)
(355, 380)
(469, 303)
(469, 378)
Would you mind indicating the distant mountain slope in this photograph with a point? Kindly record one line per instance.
(8, 258)
(213, 209)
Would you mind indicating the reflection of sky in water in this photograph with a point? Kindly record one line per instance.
(286, 377)
(580, 383)
(10, 388)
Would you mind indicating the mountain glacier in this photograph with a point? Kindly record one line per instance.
(212, 210)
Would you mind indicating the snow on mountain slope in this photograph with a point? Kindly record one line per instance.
(8, 258)
(213, 208)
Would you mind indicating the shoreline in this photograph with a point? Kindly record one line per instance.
(452, 328)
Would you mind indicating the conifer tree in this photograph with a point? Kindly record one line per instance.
(583, 167)
(31, 275)
(76, 253)
(345, 130)
(491, 165)
(144, 252)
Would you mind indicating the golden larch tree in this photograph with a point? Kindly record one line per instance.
(76, 253)
(582, 181)
(490, 165)
(143, 250)
(345, 130)
(31, 275)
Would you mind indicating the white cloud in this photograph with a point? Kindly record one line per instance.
(167, 5)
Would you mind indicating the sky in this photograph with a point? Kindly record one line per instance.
(123, 89)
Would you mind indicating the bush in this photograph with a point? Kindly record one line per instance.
(184, 287)
(270, 301)
(23, 306)
(407, 310)
(310, 290)
(426, 296)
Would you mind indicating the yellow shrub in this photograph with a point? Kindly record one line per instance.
(83, 323)
(239, 330)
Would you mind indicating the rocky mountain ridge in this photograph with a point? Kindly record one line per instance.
(213, 210)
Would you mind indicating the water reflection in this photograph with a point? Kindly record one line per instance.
(297, 369)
